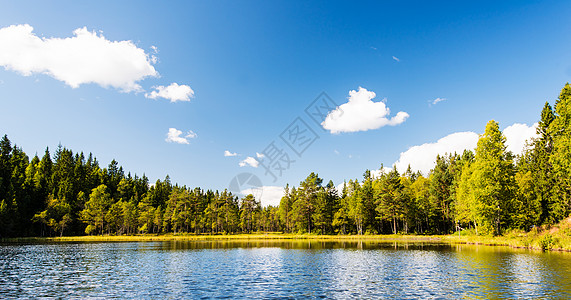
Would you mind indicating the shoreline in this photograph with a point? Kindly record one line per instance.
(221, 237)
(512, 241)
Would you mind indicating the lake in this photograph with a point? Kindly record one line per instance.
(277, 269)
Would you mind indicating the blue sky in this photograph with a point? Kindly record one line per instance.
(254, 66)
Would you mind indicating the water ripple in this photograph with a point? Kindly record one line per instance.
(197, 270)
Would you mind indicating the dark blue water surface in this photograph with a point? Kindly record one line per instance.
(277, 269)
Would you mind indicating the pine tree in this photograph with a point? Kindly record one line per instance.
(306, 200)
(441, 189)
(285, 209)
(5, 168)
(249, 210)
(389, 198)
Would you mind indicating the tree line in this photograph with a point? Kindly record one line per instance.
(487, 191)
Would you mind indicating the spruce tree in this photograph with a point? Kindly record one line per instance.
(560, 158)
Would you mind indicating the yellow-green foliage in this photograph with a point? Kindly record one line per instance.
(557, 237)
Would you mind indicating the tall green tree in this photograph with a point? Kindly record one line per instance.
(560, 159)
(286, 209)
(96, 209)
(389, 198)
(305, 204)
(249, 213)
(492, 181)
(441, 192)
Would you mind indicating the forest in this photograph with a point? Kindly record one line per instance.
(487, 191)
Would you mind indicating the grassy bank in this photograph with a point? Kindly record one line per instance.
(554, 238)
(548, 238)
(232, 237)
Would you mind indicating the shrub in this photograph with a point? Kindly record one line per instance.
(547, 242)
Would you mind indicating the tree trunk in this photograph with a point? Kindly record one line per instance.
(394, 224)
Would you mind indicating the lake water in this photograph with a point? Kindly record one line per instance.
(274, 269)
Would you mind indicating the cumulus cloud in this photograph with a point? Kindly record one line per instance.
(360, 113)
(267, 195)
(86, 57)
(423, 157)
(177, 136)
(173, 92)
(435, 101)
(516, 136)
(228, 153)
(249, 161)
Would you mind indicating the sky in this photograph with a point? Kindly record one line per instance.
(205, 91)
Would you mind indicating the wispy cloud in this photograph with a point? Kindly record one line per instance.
(435, 101)
(177, 136)
(190, 134)
(249, 161)
(396, 58)
(228, 153)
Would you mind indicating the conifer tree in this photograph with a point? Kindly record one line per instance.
(560, 159)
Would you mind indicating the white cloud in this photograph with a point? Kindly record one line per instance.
(267, 195)
(249, 161)
(396, 58)
(377, 173)
(339, 188)
(190, 134)
(175, 136)
(87, 57)
(259, 155)
(423, 157)
(516, 136)
(173, 92)
(438, 100)
(360, 113)
(228, 153)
